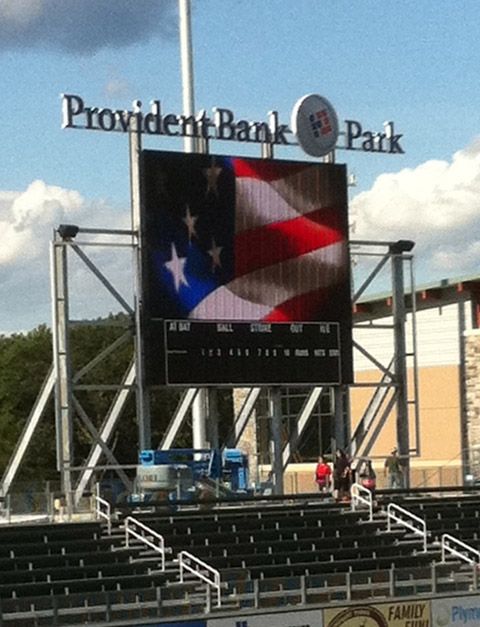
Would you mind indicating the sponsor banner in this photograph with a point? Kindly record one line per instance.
(464, 611)
(314, 122)
(414, 614)
(195, 623)
(311, 618)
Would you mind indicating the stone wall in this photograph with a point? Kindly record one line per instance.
(472, 398)
(248, 440)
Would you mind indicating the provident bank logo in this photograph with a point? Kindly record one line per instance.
(321, 124)
(315, 123)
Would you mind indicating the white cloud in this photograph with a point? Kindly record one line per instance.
(27, 221)
(27, 218)
(117, 88)
(436, 204)
(20, 12)
(83, 26)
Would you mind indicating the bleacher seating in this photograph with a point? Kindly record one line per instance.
(267, 554)
(47, 568)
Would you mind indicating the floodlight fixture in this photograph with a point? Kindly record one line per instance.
(401, 246)
(68, 231)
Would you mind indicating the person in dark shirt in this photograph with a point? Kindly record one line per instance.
(342, 473)
(368, 478)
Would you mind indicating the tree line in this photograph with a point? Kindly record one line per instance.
(25, 360)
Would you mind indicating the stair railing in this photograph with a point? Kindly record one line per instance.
(147, 536)
(210, 575)
(103, 510)
(403, 517)
(361, 496)
(453, 547)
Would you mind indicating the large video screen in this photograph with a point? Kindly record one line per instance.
(247, 273)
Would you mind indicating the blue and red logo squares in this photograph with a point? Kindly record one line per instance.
(320, 123)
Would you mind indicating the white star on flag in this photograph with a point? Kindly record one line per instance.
(214, 253)
(190, 222)
(176, 266)
(212, 173)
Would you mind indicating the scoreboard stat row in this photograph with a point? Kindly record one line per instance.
(251, 353)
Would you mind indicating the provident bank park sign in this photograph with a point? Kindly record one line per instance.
(314, 125)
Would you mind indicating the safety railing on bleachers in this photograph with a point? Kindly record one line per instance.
(147, 536)
(361, 496)
(401, 516)
(103, 510)
(210, 575)
(456, 548)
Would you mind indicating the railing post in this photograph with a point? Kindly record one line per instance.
(55, 611)
(348, 585)
(108, 607)
(180, 564)
(475, 576)
(219, 590)
(256, 593)
(158, 592)
(303, 590)
(434, 578)
(208, 600)
(391, 581)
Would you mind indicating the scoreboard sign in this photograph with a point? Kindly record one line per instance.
(255, 353)
(247, 276)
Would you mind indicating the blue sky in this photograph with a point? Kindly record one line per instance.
(412, 62)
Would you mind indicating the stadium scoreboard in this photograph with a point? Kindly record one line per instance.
(246, 275)
(252, 353)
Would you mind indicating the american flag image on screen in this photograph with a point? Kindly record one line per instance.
(243, 239)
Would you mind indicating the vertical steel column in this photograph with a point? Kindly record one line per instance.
(191, 144)
(186, 56)
(275, 398)
(199, 413)
(212, 425)
(400, 368)
(138, 226)
(341, 440)
(466, 460)
(61, 356)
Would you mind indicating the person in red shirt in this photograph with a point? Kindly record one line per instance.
(323, 475)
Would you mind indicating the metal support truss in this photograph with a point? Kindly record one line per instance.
(391, 391)
(67, 404)
(301, 424)
(62, 364)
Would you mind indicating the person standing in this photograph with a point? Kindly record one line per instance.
(342, 475)
(368, 478)
(393, 470)
(323, 474)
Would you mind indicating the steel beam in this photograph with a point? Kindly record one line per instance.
(29, 429)
(106, 431)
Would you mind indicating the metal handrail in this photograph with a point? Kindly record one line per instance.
(447, 538)
(159, 547)
(358, 499)
(391, 515)
(107, 515)
(184, 557)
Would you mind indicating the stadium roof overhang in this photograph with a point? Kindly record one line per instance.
(430, 296)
